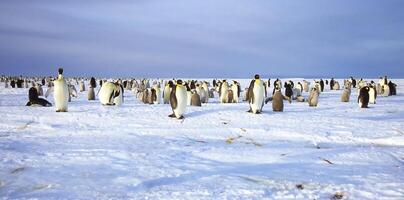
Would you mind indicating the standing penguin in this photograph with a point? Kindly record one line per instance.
(178, 100)
(235, 88)
(158, 94)
(392, 88)
(306, 85)
(82, 86)
(332, 84)
(363, 98)
(224, 92)
(385, 90)
(91, 93)
(336, 85)
(277, 100)
(288, 90)
(372, 94)
(313, 97)
(38, 87)
(299, 87)
(189, 94)
(206, 90)
(322, 85)
(61, 92)
(195, 99)
(256, 95)
(346, 94)
(167, 92)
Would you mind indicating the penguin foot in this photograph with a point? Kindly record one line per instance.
(172, 115)
(250, 111)
(182, 117)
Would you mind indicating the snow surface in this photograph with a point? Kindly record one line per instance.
(219, 151)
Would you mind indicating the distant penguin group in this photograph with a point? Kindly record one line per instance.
(180, 94)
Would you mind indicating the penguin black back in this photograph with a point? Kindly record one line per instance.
(363, 97)
(288, 90)
(93, 84)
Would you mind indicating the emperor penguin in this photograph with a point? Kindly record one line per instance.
(336, 86)
(157, 96)
(195, 99)
(91, 93)
(256, 95)
(306, 85)
(277, 100)
(178, 100)
(38, 87)
(110, 94)
(288, 90)
(299, 87)
(206, 90)
(392, 88)
(82, 86)
(378, 89)
(167, 91)
(189, 94)
(313, 97)
(385, 90)
(61, 92)
(322, 85)
(34, 100)
(372, 94)
(296, 93)
(346, 93)
(224, 92)
(363, 98)
(235, 88)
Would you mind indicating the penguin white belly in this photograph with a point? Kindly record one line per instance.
(386, 90)
(189, 95)
(181, 95)
(105, 93)
(166, 98)
(61, 95)
(258, 93)
(234, 88)
(224, 96)
(158, 96)
(119, 99)
(372, 99)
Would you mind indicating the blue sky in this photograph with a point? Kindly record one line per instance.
(193, 38)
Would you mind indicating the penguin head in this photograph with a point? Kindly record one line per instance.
(256, 76)
(179, 82)
(60, 71)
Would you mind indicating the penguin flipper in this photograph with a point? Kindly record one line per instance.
(250, 95)
(238, 90)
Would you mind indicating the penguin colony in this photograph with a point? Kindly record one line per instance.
(180, 94)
